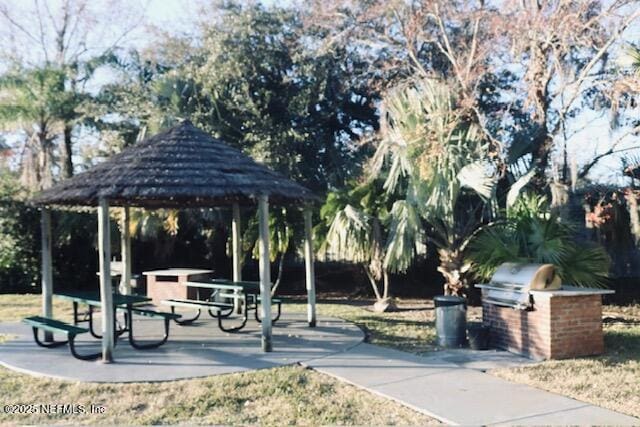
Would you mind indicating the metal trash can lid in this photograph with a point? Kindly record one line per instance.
(447, 300)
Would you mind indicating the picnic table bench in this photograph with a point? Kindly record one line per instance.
(245, 291)
(250, 290)
(166, 317)
(57, 326)
(218, 310)
(127, 303)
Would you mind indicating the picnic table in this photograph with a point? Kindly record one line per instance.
(127, 303)
(92, 299)
(246, 291)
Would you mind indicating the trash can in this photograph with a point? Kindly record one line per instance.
(478, 336)
(451, 320)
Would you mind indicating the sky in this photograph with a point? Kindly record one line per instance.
(593, 134)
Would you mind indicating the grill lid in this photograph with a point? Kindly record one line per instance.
(511, 283)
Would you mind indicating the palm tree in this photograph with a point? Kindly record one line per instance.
(32, 101)
(533, 233)
(354, 232)
(431, 152)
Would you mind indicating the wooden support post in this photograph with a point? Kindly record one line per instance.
(47, 268)
(106, 293)
(265, 273)
(309, 269)
(237, 252)
(125, 250)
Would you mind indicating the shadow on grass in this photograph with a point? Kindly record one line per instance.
(408, 335)
(416, 308)
(620, 320)
(621, 346)
(393, 322)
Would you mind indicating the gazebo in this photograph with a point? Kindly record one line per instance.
(182, 167)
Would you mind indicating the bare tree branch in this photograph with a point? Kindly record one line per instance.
(612, 150)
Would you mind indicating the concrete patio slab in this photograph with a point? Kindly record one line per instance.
(192, 351)
(454, 393)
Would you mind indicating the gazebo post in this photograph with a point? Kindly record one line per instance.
(106, 293)
(309, 268)
(47, 270)
(125, 250)
(265, 273)
(237, 251)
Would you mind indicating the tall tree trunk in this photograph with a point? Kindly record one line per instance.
(632, 205)
(44, 173)
(373, 282)
(560, 199)
(385, 292)
(540, 79)
(540, 161)
(66, 152)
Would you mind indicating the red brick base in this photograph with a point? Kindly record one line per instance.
(559, 327)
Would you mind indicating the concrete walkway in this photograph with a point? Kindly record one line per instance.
(452, 387)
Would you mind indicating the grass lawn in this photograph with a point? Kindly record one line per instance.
(279, 396)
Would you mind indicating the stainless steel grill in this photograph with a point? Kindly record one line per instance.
(511, 283)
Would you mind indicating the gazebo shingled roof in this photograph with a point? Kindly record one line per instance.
(181, 167)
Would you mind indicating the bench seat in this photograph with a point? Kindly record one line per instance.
(57, 326)
(52, 325)
(218, 310)
(195, 303)
(152, 313)
(215, 309)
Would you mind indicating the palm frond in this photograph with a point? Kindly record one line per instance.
(533, 234)
(404, 234)
(349, 237)
(516, 188)
(477, 177)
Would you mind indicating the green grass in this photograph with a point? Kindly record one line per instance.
(15, 307)
(411, 328)
(280, 396)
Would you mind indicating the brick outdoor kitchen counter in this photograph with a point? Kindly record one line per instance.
(563, 323)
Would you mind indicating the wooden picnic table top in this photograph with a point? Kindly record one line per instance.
(93, 298)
